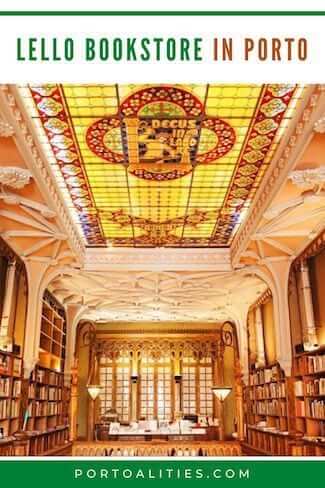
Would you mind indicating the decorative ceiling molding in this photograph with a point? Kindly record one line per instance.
(35, 160)
(30, 229)
(10, 198)
(319, 126)
(284, 161)
(157, 259)
(306, 178)
(14, 177)
(6, 130)
(197, 296)
(314, 248)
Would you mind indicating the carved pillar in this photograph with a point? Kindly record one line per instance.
(259, 337)
(309, 329)
(5, 332)
(35, 272)
(240, 312)
(73, 314)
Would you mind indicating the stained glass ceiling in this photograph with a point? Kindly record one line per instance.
(160, 165)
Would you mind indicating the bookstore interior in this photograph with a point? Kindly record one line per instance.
(162, 268)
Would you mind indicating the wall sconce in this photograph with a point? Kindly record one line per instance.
(134, 378)
(178, 378)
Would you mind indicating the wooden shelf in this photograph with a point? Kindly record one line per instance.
(309, 399)
(53, 332)
(47, 425)
(10, 394)
(267, 407)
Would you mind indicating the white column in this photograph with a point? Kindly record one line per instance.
(73, 314)
(240, 313)
(35, 273)
(259, 337)
(280, 269)
(309, 329)
(5, 333)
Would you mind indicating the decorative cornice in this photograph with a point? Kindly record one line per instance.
(314, 248)
(157, 348)
(279, 170)
(14, 177)
(157, 259)
(6, 130)
(27, 143)
(267, 295)
(306, 178)
(129, 333)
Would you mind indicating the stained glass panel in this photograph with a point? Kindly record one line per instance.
(160, 165)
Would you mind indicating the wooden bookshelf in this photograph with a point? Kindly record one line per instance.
(267, 411)
(46, 425)
(10, 397)
(53, 334)
(309, 400)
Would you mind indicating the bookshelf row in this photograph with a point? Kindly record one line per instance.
(10, 394)
(264, 376)
(53, 334)
(268, 443)
(34, 412)
(291, 408)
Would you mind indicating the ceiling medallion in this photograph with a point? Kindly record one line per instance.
(161, 128)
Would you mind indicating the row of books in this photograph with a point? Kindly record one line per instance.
(16, 388)
(48, 377)
(54, 394)
(9, 408)
(4, 387)
(299, 388)
(4, 364)
(269, 390)
(265, 375)
(311, 364)
(10, 365)
(44, 392)
(315, 408)
(312, 387)
(272, 407)
(300, 408)
(315, 387)
(43, 409)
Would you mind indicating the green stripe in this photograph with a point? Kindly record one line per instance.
(162, 13)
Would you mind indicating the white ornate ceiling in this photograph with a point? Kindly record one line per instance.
(158, 296)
